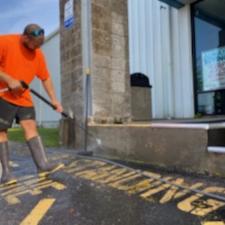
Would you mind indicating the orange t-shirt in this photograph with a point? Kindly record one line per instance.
(22, 64)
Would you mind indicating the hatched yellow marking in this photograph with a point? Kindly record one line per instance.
(38, 212)
(121, 184)
(174, 192)
(156, 188)
(126, 180)
(185, 192)
(75, 167)
(142, 186)
(151, 175)
(103, 173)
(121, 178)
(32, 187)
(94, 174)
(213, 223)
(196, 206)
(116, 175)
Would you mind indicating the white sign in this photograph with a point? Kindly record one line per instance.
(213, 68)
(68, 14)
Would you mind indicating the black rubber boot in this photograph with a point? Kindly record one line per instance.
(7, 177)
(38, 154)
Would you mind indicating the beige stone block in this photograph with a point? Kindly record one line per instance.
(101, 74)
(118, 81)
(101, 61)
(119, 18)
(98, 13)
(119, 46)
(118, 29)
(102, 42)
(118, 7)
(119, 64)
(103, 3)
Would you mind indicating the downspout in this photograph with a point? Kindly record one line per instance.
(86, 62)
(86, 48)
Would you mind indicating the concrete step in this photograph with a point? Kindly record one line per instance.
(181, 146)
(216, 149)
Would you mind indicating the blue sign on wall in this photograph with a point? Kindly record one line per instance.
(69, 18)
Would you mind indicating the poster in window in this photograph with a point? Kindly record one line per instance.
(213, 69)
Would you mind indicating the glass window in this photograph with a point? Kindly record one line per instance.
(209, 55)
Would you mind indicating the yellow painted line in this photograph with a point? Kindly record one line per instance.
(157, 187)
(151, 174)
(104, 174)
(184, 192)
(192, 204)
(12, 197)
(117, 174)
(24, 185)
(213, 223)
(171, 192)
(38, 212)
(188, 206)
(7, 187)
(97, 174)
(141, 186)
(93, 174)
(174, 192)
(12, 200)
(120, 185)
(56, 185)
(75, 167)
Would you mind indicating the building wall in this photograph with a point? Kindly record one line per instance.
(97, 41)
(160, 46)
(72, 80)
(109, 53)
(45, 115)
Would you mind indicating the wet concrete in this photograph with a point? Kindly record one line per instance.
(82, 200)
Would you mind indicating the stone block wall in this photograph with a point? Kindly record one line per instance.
(110, 79)
(72, 74)
(110, 69)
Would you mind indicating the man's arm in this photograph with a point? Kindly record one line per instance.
(12, 83)
(49, 88)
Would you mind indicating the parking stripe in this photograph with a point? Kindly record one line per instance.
(38, 212)
(213, 223)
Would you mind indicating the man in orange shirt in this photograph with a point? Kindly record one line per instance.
(21, 59)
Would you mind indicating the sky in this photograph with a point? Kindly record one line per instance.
(16, 14)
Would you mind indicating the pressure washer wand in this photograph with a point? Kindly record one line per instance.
(25, 86)
(85, 129)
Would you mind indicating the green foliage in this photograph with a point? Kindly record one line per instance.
(50, 136)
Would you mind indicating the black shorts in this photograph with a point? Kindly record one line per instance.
(9, 112)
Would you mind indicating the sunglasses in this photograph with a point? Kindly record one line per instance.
(37, 33)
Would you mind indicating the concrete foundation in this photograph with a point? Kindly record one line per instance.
(180, 147)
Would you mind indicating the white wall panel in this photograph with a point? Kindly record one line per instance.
(45, 114)
(160, 47)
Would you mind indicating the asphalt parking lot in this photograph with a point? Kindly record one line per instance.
(89, 191)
